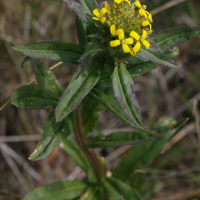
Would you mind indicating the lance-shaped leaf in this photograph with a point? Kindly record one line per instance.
(139, 69)
(112, 105)
(90, 120)
(137, 157)
(53, 134)
(115, 189)
(78, 89)
(44, 76)
(90, 51)
(130, 138)
(154, 54)
(135, 67)
(172, 37)
(81, 29)
(123, 87)
(83, 9)
(75, 152)
(52, 50)
(59, 190)
(34, 97)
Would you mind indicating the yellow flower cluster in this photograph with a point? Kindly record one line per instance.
(131, 23)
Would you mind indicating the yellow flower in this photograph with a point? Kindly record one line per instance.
(121, 1)
(137, 46)
(113, 30)
(142, 11)
(146, 23)
(99, 16)
(122, 41)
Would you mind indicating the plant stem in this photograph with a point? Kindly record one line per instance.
(81, 140)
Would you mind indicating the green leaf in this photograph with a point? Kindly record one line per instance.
(53, 134)
(90, 120)
(137, 66)
(106, 73)
(112, 105)
(93, 193)
(52, 50)
(78, 89)
(154, 54)
(139, 69)
(75, 152)
(44, 76)
(83, 9)
(89, 5)
(59, 190)
(130, 138)
(81, 29)
(123, 87)
(91, 49)
(141, 154)
(34, 97)
(115, 189)
(172, 37)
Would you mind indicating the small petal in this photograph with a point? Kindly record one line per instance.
(96, 13)
(103, 11)
(118, 1)
(132, 52)
(134, 35)
(143, 13)
(120, 33)
(114, 43)
(128, 2)
(129, 41)
(144, 34)
(103, 19)
(126, 48)
(138, 4)
(145, 23)
(146, 44)
(95, 18)
(137, 47)
(112, 29)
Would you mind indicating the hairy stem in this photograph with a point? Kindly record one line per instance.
(81, 140)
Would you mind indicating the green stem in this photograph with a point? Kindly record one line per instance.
(81, 140)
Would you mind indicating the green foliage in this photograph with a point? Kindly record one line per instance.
(128, 138)
(90, 121)
(138, 69)
(52, 50)
(94, 193)
(115, 189)
(155, 55)
(172, 37)
(35, 97)
(100, 67)
(44, 76)
(53, 134)
(78, 89)
(81, 29)
(59, 190)
(123, 87)
(136, 158)
(112, 105)
(75, 152)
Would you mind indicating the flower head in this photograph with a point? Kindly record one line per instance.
(124, 42)
(99, 15)
(129, 25)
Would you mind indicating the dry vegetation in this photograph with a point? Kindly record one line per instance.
(173, 175)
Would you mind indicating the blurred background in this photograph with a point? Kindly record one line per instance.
(163, 91)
